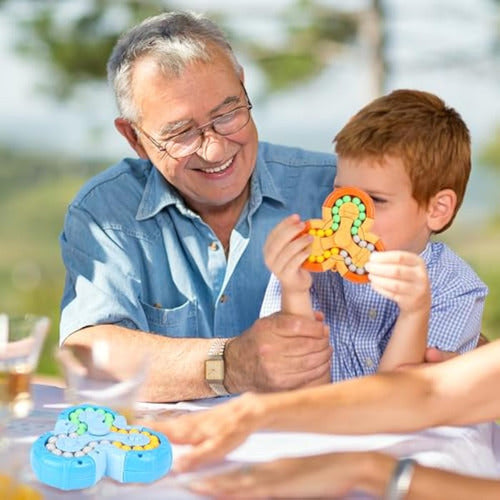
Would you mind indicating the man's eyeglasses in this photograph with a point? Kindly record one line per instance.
(188, 142)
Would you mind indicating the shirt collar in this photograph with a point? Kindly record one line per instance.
(263, 185)
(426, 253)
(158, 193)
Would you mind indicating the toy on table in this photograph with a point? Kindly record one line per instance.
(89, 442)
(342, 241)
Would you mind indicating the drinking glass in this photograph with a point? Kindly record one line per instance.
(94, 375)
(21, 341)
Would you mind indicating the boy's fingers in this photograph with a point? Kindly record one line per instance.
(281, 236)
(290, 257)
(395, 257)
(395, 288)
(396, 273)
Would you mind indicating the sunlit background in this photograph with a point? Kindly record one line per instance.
(309, 65)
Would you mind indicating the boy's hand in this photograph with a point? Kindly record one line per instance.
(402, 277)
(285, 250)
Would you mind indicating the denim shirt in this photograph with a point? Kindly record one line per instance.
(138, 257)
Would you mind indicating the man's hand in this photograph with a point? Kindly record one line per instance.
(281, 351)
(434, 355)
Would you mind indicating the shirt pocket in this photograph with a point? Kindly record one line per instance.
(179, 321)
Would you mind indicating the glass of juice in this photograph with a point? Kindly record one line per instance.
(21, 341)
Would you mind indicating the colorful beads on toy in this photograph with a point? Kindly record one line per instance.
(342, 241)
(89, 442)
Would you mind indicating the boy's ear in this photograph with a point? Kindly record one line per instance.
(125, 128)
(441, 209)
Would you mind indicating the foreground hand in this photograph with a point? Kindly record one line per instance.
(321, 476)
(279, 352)
(213, 433)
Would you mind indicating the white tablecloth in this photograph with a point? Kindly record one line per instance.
(472, 450)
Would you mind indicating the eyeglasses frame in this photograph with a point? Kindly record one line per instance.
(201, 129)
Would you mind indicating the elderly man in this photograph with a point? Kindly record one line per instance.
(164, 253)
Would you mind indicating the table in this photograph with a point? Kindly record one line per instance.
(473, 449)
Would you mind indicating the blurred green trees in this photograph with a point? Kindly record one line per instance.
(72, 40)
(35, 190)
(74, 44)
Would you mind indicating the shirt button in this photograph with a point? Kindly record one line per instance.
(214, 246)
(369, 362)
(372, 313)
(223, 298)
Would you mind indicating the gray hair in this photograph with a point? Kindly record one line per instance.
(174, 39)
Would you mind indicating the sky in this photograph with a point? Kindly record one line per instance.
(422, 34)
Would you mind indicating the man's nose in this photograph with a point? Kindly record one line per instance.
(213, 146)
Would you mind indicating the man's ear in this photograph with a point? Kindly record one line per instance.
(441, 209)
(125, 128)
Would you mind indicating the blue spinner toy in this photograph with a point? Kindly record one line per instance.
(89, 442)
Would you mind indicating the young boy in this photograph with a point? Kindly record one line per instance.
(411, 154)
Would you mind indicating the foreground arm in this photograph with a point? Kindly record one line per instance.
(334, 475)
(456, 392)
(277, 352)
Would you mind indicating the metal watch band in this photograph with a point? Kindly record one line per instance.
(218, 388)
(217, 347)
(399, 484)
(216, 353)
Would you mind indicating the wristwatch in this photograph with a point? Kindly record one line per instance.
(214, 366)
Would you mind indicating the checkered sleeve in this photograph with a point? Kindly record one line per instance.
(272, 298)
(455, 321)
(458, 297)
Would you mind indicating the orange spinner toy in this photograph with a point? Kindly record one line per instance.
(342, 238)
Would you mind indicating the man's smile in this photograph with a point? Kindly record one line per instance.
(221, 168)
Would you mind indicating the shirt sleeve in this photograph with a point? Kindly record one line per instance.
(456, 315)
(100, 286)
(272, 298)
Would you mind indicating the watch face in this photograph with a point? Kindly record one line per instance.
(214, 370)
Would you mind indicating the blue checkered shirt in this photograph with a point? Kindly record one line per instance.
(361, 320)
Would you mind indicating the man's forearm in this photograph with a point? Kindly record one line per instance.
(176, 365)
